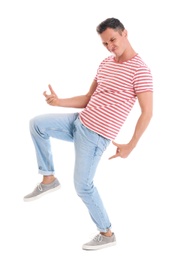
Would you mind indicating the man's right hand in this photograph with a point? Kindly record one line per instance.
(52, 98)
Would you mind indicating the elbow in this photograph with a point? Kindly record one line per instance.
(149, 116)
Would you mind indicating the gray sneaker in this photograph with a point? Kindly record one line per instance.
(99, 242)
(42, 189)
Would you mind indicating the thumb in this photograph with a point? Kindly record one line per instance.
(116, 144)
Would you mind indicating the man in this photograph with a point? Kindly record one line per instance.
(121, 79)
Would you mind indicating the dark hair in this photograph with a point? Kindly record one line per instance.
(110, 23)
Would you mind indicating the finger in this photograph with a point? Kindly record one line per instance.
(51, 90)
(50, 99)
(114, 156)
(44, 93)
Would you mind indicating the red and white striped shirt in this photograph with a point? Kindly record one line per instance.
(117, 87)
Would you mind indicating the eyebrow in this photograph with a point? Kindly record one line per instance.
(112, 38)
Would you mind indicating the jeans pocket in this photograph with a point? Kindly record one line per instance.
(103, 143)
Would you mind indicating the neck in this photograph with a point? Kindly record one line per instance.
(127, 55)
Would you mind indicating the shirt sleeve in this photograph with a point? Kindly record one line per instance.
(143, 80)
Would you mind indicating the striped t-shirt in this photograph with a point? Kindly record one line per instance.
(117, 87)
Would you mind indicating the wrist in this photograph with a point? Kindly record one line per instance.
(132, 144)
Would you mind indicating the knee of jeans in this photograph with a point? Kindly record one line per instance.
(82, 189)
(33, 125)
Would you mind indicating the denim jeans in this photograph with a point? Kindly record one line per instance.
(89, 147)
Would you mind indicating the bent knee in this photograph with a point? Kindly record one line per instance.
(35, 124)
(83, 189)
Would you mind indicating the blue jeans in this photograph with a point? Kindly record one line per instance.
(89, 147)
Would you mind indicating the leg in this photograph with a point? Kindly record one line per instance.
(43, 127)
(89, 148)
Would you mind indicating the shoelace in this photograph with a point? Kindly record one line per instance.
(98, 237)
(39, 187)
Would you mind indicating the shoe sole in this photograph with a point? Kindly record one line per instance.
(84, 247)
(42, 194)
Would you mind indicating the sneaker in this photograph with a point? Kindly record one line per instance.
(42, 189)
(99, 242)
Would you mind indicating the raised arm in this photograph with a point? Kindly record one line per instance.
(74, 102)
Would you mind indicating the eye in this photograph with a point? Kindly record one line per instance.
(105, 44)
(113, 39)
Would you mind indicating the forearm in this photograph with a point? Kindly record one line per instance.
(146, 105)
(74, 102)
(140, 128)
(78, 101)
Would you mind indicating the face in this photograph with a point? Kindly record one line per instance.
(114, 41)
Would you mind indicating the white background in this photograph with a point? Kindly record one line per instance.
(55, 42)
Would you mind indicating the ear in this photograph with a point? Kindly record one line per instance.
(125, 33)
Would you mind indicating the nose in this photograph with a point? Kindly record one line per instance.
(110, 46)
